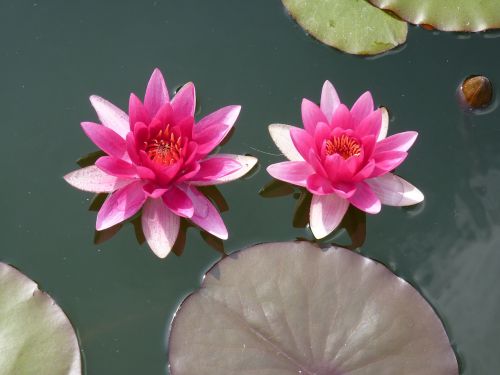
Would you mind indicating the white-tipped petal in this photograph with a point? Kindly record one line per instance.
(280, 133)
(385, 124)
(326, 214)
(111, 116)
(160, 227)
(394, 191)
(247, 163)
(95, 180)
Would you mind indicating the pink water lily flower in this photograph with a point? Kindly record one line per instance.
(157, 156)
(342, 156)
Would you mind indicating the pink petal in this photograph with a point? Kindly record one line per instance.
(326, 214)
(121, 205)
(293, 172)
(116, 167)
(387, 161)
(335, 166)
(153, 191)
(342, 118)
(137, 112)
(384, 128)
(280, 133)
(210, 138)
(303, 141)
(178, 202)
(111, 116)
(319, 185)
(226, 115)
(365, 199)
(394, 191)
(311, 115)
(156, 93)
(246, 163)
(106, 139)
(329, 100)
(344, 189)
(397, 142)
(206, 215)
(370, 125)
(95, 180)
(184, 102)
(216, 167)
(160, 227)
(362, 108)
(365, 172)
(321, 134)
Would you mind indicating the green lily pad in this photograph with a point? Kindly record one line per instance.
(36, 337)
(447, 15)
(353, 26)
(293, 308)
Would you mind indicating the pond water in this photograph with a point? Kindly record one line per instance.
(119, 296)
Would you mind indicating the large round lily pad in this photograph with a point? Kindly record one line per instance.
(36, 337)
(293, 308)
(353, 26)
(447, 15)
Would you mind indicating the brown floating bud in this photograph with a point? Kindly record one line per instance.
(476, 91)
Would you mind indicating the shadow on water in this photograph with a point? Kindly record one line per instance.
(353, 225)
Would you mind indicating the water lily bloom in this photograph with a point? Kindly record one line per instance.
(157, 156)
(343, 156)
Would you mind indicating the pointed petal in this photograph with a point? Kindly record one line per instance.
(210, 138)
(394, 191)
(160, 227)
(311, 115)
(116, 167)
(329, 100)
(110, 115)
(137, 112)
(106, 139)
(156, 93)
(293, 172)
(303, 141)
(362, 108)
(95, 180)
(397, 142)
(387, 161)
(384, 128)
(280, 133)
(178, 202)
(246, 163)
(365, 199)
(226, 115)
(206, 215)
(184, 102)
(370, 125)
(342, 118)
(121, 205)
(326, 214)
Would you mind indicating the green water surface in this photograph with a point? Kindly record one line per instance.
(119, 296)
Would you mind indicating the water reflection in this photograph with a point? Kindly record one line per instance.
(461, 273)
(353, 224)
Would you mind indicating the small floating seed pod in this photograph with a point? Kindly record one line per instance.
(476, 92)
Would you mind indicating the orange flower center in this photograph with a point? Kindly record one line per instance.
(165, 148)
(344, 145)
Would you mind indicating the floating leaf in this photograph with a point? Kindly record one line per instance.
(293, 308)
(446, 15)
(353, 26)
(35, 335)
(90, 159)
